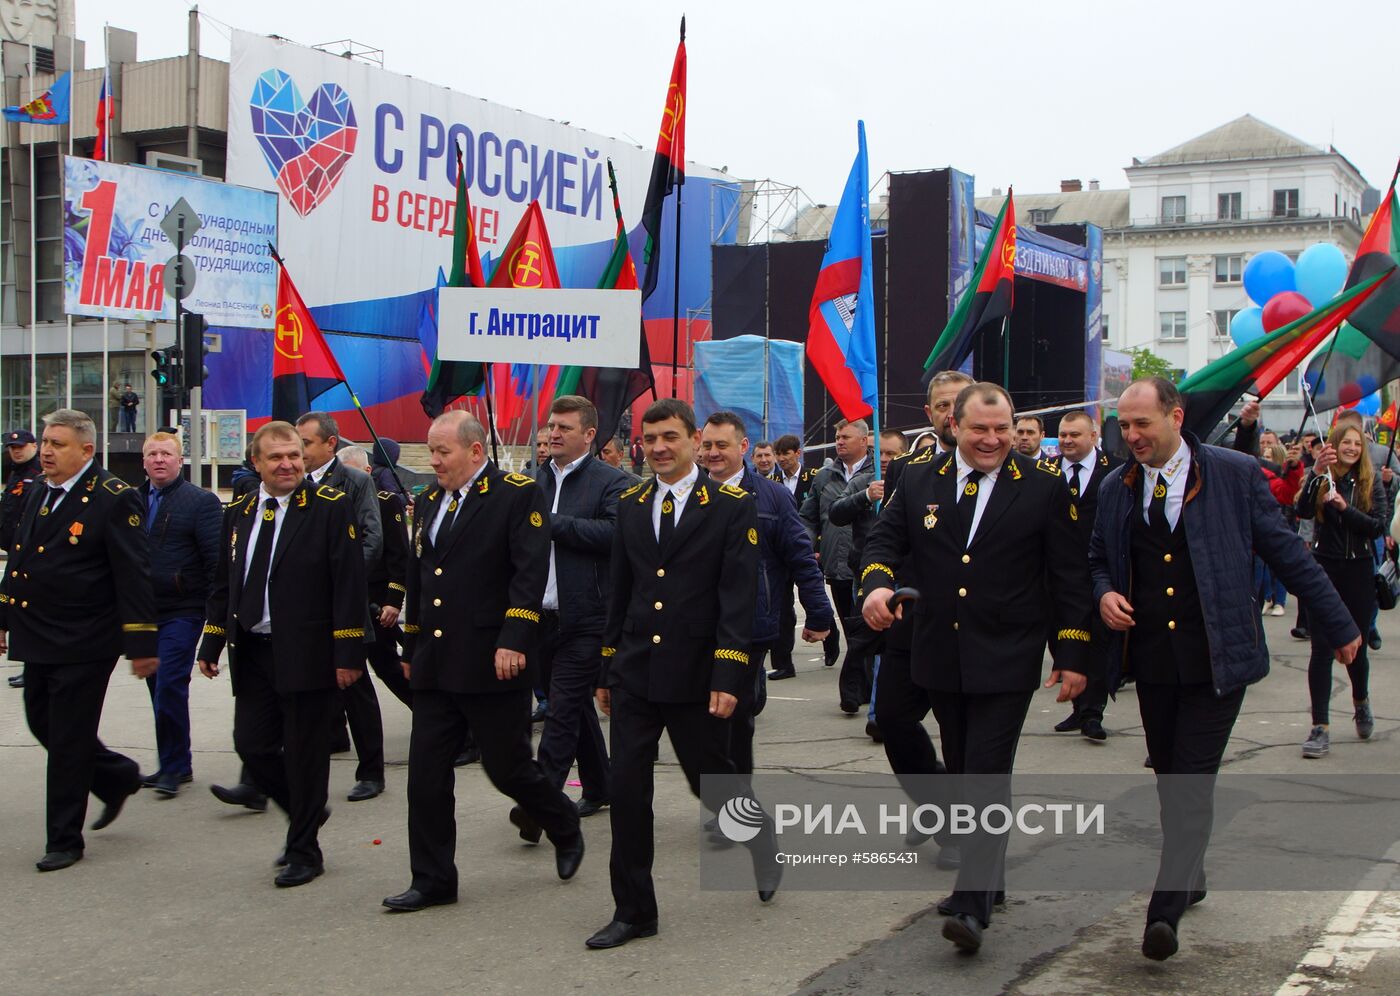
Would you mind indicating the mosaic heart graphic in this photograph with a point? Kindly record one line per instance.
(306, 145)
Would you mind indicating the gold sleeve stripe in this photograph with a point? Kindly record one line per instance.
(211, 630)
(349, 634)
(609, 651)
(411, 628)
(872, 568)
(1082, 635)
(732, 655)
(138, 627)
(395, 586)
(530, 615)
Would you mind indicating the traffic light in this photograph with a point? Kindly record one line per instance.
(192, 338)
(161, 372)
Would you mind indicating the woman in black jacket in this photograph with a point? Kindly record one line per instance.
(1345, 496)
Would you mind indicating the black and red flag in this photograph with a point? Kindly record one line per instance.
(987, 300)
(668, 168)
(303, 366)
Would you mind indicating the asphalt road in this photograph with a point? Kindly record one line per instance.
(177, 896)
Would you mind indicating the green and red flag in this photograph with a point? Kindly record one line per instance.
(1258, 367)
(987, 301)
(612, 390)
(303, 366)
(667, 169)
(450, 379)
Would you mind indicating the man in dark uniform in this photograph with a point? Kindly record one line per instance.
(675, 652)
(981, 537)
(1084, 467)
(787, 471)
(289, 604)
(1172, 557)
(75, 595)
(476, 577)
(23, 455)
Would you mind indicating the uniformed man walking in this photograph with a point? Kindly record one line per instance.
(23, 454)
(477, 572)
(675, 652)
(75, 595)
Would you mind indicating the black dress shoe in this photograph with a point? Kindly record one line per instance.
(1093, 730)
(165, 786)
(1373, 640)
(568, 855)
(56, 860)
(780, 675)
(365, 790)
(1069, 724)
(831, 658)
(1159, 940)
(294, 875)
(591, 807)
(873, 732)
(530, 831)
(1147, 761)
(767, 880)
(949, 857)
(469, 755)
(1197, 895)
(618, 933)
(149, 781)
(540, 713)
(849, 708)
(17, 680)
(240, 795)
(111, 810)
(963, 930)
(412, 901)
(945, 905)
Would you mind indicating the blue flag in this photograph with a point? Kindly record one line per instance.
(49, 108)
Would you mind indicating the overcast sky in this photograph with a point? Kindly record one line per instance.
(1017, 92)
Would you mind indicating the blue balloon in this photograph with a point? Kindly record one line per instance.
(1247, 325)
(1267, 274)
(1320, 272)
(1370, 405)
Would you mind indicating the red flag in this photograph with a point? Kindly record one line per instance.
(528, 258)
(303, 366)
(104, 114)
(1389, 416)
(668, 166)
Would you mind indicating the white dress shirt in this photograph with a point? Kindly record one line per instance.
(678, 492)
(264, 625)
(1086, 469)
(315, 476)
(551, 587)
(984, 490)
(791, 482)
(67, 486)
(447, 498)
(1174, 472)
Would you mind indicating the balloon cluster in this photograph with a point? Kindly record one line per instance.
(1284, 291)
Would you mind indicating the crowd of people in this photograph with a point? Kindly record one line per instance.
(495, 598)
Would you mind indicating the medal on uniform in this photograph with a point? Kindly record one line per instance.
(269, 515)
(43, 510)
(452, 505)
(931, 519)
(666, 507)
(970, 488)
(1160, 491)
(74, 531)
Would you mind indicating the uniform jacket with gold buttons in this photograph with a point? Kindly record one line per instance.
(77, 586)
(987, 601)
(680, 620)
(315, 584)
(479, 587)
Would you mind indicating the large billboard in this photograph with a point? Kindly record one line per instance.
(115, 252)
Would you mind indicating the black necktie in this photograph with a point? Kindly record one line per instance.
(250, 603)
(1074, 482)
(967, 503)
(449, 516)
(51, 499)
(668, 519)
(1157, 507)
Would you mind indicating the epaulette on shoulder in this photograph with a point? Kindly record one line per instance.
(115, 485)
(1048, 467)
(238, 502)
(733, 491)
(632, 490)
(329, 493)
(925, 455)
(808, 474)
(906, 456)
(519, 480)
(386, 495)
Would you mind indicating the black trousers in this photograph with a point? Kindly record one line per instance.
(1355, 583)
(841, 599)
(361, 705)
(284, 741)
(1187, 728)
(501, 722)
(701, 744)
(979, 734)
(63, 706)
(384, 661)
(571, 729)
(903, 706)
(787, 629)
(753, 696)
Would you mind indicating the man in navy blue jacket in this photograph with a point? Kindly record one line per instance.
(784, 553)
(182, 522)
(1172, 564)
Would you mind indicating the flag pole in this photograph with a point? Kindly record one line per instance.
(106, 387)
(68, 359)
(354, 399)
(33, 271)
(676, 296)
(491, 415)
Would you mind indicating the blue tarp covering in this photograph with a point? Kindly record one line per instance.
(729, 375)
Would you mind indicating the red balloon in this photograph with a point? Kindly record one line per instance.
(1285, 307)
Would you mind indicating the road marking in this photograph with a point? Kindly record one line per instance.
(786, 698)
